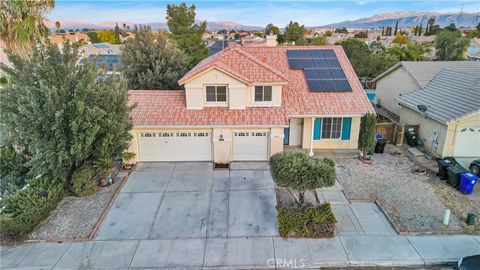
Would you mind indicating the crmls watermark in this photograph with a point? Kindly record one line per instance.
(286, 263)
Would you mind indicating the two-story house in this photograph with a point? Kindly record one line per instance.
(246, 103)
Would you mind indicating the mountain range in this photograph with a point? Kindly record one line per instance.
(405, 19)
(66, 25)
(409, 19)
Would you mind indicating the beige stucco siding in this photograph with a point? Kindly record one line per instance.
(239, 94)
(328, 143)
(392, 85)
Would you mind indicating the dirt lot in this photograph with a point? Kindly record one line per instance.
(414, 203)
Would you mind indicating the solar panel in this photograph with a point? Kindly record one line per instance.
(329, 85)
(321, 68)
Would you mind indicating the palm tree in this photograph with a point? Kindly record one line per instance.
(58, 25)
(22, 22)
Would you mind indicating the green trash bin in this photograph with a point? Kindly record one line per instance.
(453, 173)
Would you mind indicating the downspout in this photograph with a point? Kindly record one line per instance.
(311, 137)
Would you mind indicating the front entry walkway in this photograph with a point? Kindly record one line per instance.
(187, 215)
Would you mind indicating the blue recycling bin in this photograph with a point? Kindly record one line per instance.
(467, 182)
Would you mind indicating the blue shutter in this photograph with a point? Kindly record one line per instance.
(317, 126)
(346, 126)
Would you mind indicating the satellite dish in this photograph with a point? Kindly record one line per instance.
(422, 108)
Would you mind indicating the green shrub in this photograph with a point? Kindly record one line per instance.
(297, 220)
(82, 183)
(12, 169)
(297, 171)
(26, 208)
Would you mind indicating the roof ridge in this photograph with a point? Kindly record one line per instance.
(263, 64)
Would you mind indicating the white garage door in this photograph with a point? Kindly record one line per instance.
(250, 145)
(467, 143)
(175, 146)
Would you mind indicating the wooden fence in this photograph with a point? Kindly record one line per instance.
(393, 132)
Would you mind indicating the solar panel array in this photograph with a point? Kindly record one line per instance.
(111, 60)
(321, 68)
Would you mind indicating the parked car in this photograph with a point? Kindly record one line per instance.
(475, 167)
(468, 263)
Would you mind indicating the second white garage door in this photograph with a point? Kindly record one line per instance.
(175, 146)
(250, 145)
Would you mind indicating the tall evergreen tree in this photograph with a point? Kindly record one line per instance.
(187, 34)
(151, 61)
(396, 29)
(383, 31)
(61, 114)
(117, 34)
(420, 29)
(294, 32)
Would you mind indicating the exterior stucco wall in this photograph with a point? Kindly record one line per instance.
(331, 144)
(239, 94)
(397, 82)
(432, 133)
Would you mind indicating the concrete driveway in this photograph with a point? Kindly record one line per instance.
(185, 200)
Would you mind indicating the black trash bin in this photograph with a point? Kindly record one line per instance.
(412, 138)
(380, 146)
(443, 164)
(453, 173)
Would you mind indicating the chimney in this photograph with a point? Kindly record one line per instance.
(271, 40)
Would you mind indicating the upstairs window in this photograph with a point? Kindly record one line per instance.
(216, 93)
(263, 93)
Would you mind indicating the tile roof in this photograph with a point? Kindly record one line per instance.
(254, 64)
(167, 108)
(424, 71)
(240, 64)
(450, 96)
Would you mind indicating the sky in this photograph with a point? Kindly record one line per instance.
(257, 13)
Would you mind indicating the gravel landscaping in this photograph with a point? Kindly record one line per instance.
(411, 201)
(75, 217)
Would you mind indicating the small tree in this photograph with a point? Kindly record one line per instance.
(58, 25)
(294, 32)
(297, 172)
(151, 61)
(366, 140)
(450, 45)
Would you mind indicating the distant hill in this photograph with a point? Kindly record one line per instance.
(409, 19)
(66, 25)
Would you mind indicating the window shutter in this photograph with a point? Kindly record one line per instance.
(346, 126)
(317, 126)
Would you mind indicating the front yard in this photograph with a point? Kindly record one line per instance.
(414, 203)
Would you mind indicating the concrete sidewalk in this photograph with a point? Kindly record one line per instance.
(241, 252)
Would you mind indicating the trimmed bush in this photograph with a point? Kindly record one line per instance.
(307, 222)
(26, 208)
(82, 183)
(297, 171)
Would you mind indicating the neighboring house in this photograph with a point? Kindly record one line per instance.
(246, 103)
(450, 126)
(100, 48)
(253, 40)
(59, 39)
(405, 77)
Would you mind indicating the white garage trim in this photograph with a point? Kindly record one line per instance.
(250, 145)
(179, 145)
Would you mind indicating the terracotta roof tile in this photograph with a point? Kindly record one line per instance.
(253, 64)
(167, 108)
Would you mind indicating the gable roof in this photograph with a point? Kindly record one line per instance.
(450, 96)
(424, 71)
(238, 63)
